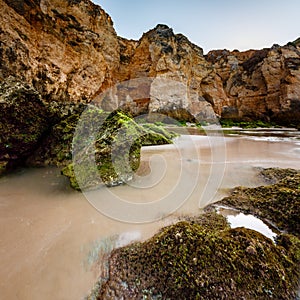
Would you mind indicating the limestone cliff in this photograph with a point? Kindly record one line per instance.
(183, 83)
(262, 84)
(68, 51)
(65, 49)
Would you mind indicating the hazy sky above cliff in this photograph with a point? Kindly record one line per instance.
(211, 24)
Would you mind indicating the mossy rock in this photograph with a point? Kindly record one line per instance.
(273, 175)
(156, 134)
(56, 148)
(196, 260)
(23, 122)
(108, 148)
(278, 203)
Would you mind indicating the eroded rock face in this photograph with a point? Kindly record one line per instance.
(262, 84)
(69, 51)
(183, 84)
(65, 49)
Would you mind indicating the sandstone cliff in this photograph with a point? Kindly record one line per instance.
(183, 83)
(65, 49)
(68, 51)
(262, 84)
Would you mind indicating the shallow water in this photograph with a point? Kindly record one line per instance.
(50, 235)
(237, 219)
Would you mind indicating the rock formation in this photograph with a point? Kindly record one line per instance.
(262, 84)
(23, 122)
(110, 155)
(65, 49)
(69, 51)
(204, 259)
(59, 55)
(278, 203)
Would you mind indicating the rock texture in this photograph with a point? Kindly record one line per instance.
(204, 259)
(23, 122)
(68, 51)
(262, 84)
(58, 55)
(65, 49)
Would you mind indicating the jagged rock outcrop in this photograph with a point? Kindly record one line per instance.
(65, 49)
(69, 51)
(262, 84)
(184, 85)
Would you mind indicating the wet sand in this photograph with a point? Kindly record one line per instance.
(49, 233)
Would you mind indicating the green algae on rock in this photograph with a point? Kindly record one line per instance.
(196, 260)
(278, 203)
(107, 148)
(156, 135)
(273, 175)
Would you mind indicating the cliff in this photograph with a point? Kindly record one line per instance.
(68, 51)
(262, 84)
(65, 49)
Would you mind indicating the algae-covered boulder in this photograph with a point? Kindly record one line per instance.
(106, 148)
(23, 122)
(204, 259)
(278, 202)
(156, 135)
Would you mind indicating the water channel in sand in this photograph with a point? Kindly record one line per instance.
(50, 235)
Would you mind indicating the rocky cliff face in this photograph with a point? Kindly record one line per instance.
(261, 84)
(183, 83)
(68, 51)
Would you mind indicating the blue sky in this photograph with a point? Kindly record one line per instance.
(211, 24)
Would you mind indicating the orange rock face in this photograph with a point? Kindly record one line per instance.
(262, 84)
(65, 49)
(69, 51)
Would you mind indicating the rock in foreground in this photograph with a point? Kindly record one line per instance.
(205, 259)
(278, 202)
(107, 148)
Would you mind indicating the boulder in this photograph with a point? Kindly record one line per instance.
(106, 148)
(204, 259)
(23, 122)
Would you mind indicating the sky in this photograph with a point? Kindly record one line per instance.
(211, 24)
